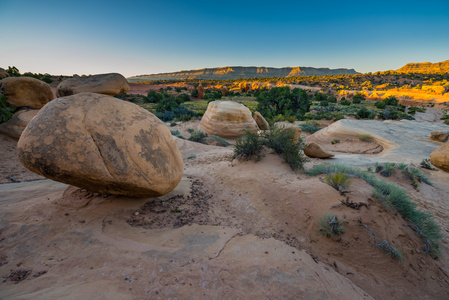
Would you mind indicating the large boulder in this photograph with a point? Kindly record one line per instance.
(26, 91)
(439, 135)
(108, 84)
(18, 122)
(440, 157)
(227, 119)
(3, 73)
(315, 151)
(102, 144)
(260, 121)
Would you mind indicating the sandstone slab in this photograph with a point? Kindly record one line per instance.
(18, 122)
(102, 144)
(26, 91)
(260, 121)
(227, 119)
(108, 84)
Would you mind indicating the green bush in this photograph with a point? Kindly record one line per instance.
(365, 137)
(198, 136)
(309, 128)
(363, 113)
(338, 180)
(220, 141)
(248, 146)
(154, 97)
(345, 102)
(280, 100)
(6, 110)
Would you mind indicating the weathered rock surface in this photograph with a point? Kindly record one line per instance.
(290, 126)
(200, 91)
(3, 73)
(315, 151)
(439, 135)
(26, 91)
(260, 121)
(227, 119)
(18, 122)
(440, 157)
(102, 144)
(426, 67)
(108, 84)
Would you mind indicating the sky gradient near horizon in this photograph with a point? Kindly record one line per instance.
(147, 37)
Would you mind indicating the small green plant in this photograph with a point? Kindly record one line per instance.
(338, 180)
(365, 137)
(335, 141)
(6, 110)
(198, 136)
(386, 247)
(177, 134)
(425, 164)
(172, 124)
(190, 130)
(248, 146)
(309, 128)
(330, 225)
(191, 156)
(220, 141)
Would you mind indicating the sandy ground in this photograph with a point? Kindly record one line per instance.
(231, 229)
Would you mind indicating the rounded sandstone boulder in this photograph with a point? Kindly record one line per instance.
(439, 136)
(440, 157)
(315, 151)
(227, 119)
(18, 122)
(102, 144)
(260, 121)
(107, 84)
(26, 91)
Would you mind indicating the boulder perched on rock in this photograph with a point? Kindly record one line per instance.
(108, 84)
(439, 136)
(3, 73)
(315, 151)
(260, 121)
(227, 119)
(440, 157)
(102, 144)
(26, 91)
(18, 122)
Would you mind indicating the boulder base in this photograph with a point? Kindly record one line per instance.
(102, 144)
(26, 91)
(315, 151)
(227, 119)
(14, 127)
(108, 84)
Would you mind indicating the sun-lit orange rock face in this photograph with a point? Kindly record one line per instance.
(440, 157)
(227, 119)
(102, 144)
(200, 89)
(108, 84)
(426, 67)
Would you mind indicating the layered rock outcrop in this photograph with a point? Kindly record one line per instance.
(102, 144)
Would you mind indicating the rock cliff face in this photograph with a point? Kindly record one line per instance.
(226, 73)
(426, 67)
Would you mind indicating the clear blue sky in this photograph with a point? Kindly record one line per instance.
(144, 37)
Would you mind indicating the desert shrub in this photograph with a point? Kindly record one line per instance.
(380, 104)
(309, 128)
(13, 71)
(177, 134)
(413, 109)
(220, 141)
(47, 79)
(291, 119)
(279, 100)
(175, 112)
(330, 225)
(183, 98)
(425, 164)
(338, 180)
(345, 102)
(178, 89)
(198, 136)
(363, 113)
(358, 98)
(212, 95)
(332, 99)
(281, 140)
(396, 198)
(190, 130)
(248, 146)
(386, 247)
(194, 93)
(391, 100)
(365, 137)
(153, 97)
(6, 110)
(335, 141)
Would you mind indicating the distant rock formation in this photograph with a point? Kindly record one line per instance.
(230, 73)
(426, 67)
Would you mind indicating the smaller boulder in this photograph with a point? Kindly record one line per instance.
(291, 126)
(3, 73)
(200, 91)
(110, 84)
(26, 91)
(440, 157)
(224, 90)
(260, 121)
(315, 151)
(14, 127)
(439, 136)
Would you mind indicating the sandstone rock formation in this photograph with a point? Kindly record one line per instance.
(425, 67)
(26, 91)
(290, 126)
(439, 135)
(108, 84)
(315, 151)
(227, 119)
(3, 73)
(260, 121)
(102, 144)
(18, 122)
(224, 90)
(200, 91)
(440, 157)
